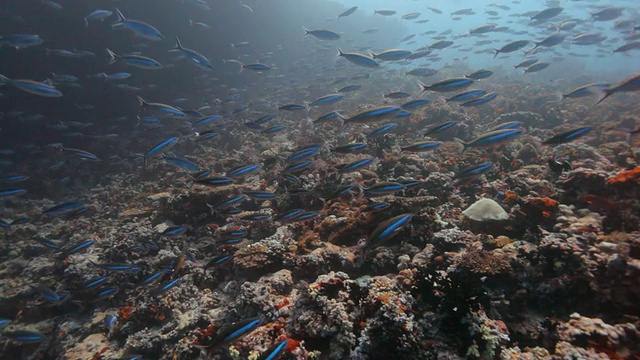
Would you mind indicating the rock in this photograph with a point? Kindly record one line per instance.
(485, 209)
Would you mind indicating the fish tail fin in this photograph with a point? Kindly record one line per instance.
(340, 53)
(3, 79)
(113, 57)
(142, 101)
(178, 44)
(190, 22)
(606, 94)
(496, 54)
(465, 145)
(341, 119)
(86, 22)
(306, 31)
(530, 51)
(424, 87)
(121, 17)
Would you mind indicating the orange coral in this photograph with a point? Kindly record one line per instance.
(625, 177)
(125, 312)
(598, 202)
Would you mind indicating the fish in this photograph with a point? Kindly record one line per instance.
(139, 28)
(32, 87)
(305, 153)
(421, 146)
(382, 130)
(239, 329)
(4, 193)
(549, 41)
(415, 104)
(107, 293)
(297, 166)
(482, 29)
(93, 283)
(526, 63)
(80, 154)
(588, 39)
(109, 321)
(261, 195)
(182, 163)
(473, 171)
(306, 215)
(165, 287)
(139, 61)
(447, 85)
(155, 276)
(390, 228)
(273, 129)
(229, 202)
(359, 59)
(538, 66)
(348, 12)
(206, 120)
(376, 207)
(440, 127)
(24, 336)
(11, 179)
(492, 138)
(385, 12)
(559, 167)
(322, 34)
(328, 117)
(392, 54)
(354, 166)
(628, 46)
(21, 41)
(442, 44)
(422, 72)
(274, 351)
(292, 107)
(467, 95)
(411, 16)
(198, 59)
(174, 232)
(221, 259)
(326, 99)
(349, 88)
(74, 248)
(507, 125)
(607, 14)
(51, 296)
(584, 90)
(567, 136)
(480, 74)
(243, 170)
(629, 84)
(98, 14)
(383, 188)
(480, 100)
(265, 119)
(255, 67)
(164, 145)
(117, 267)
(396, 95)
(161, 107)
(350, 148)
(375, 114)
(547, 14)
(63, 208)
